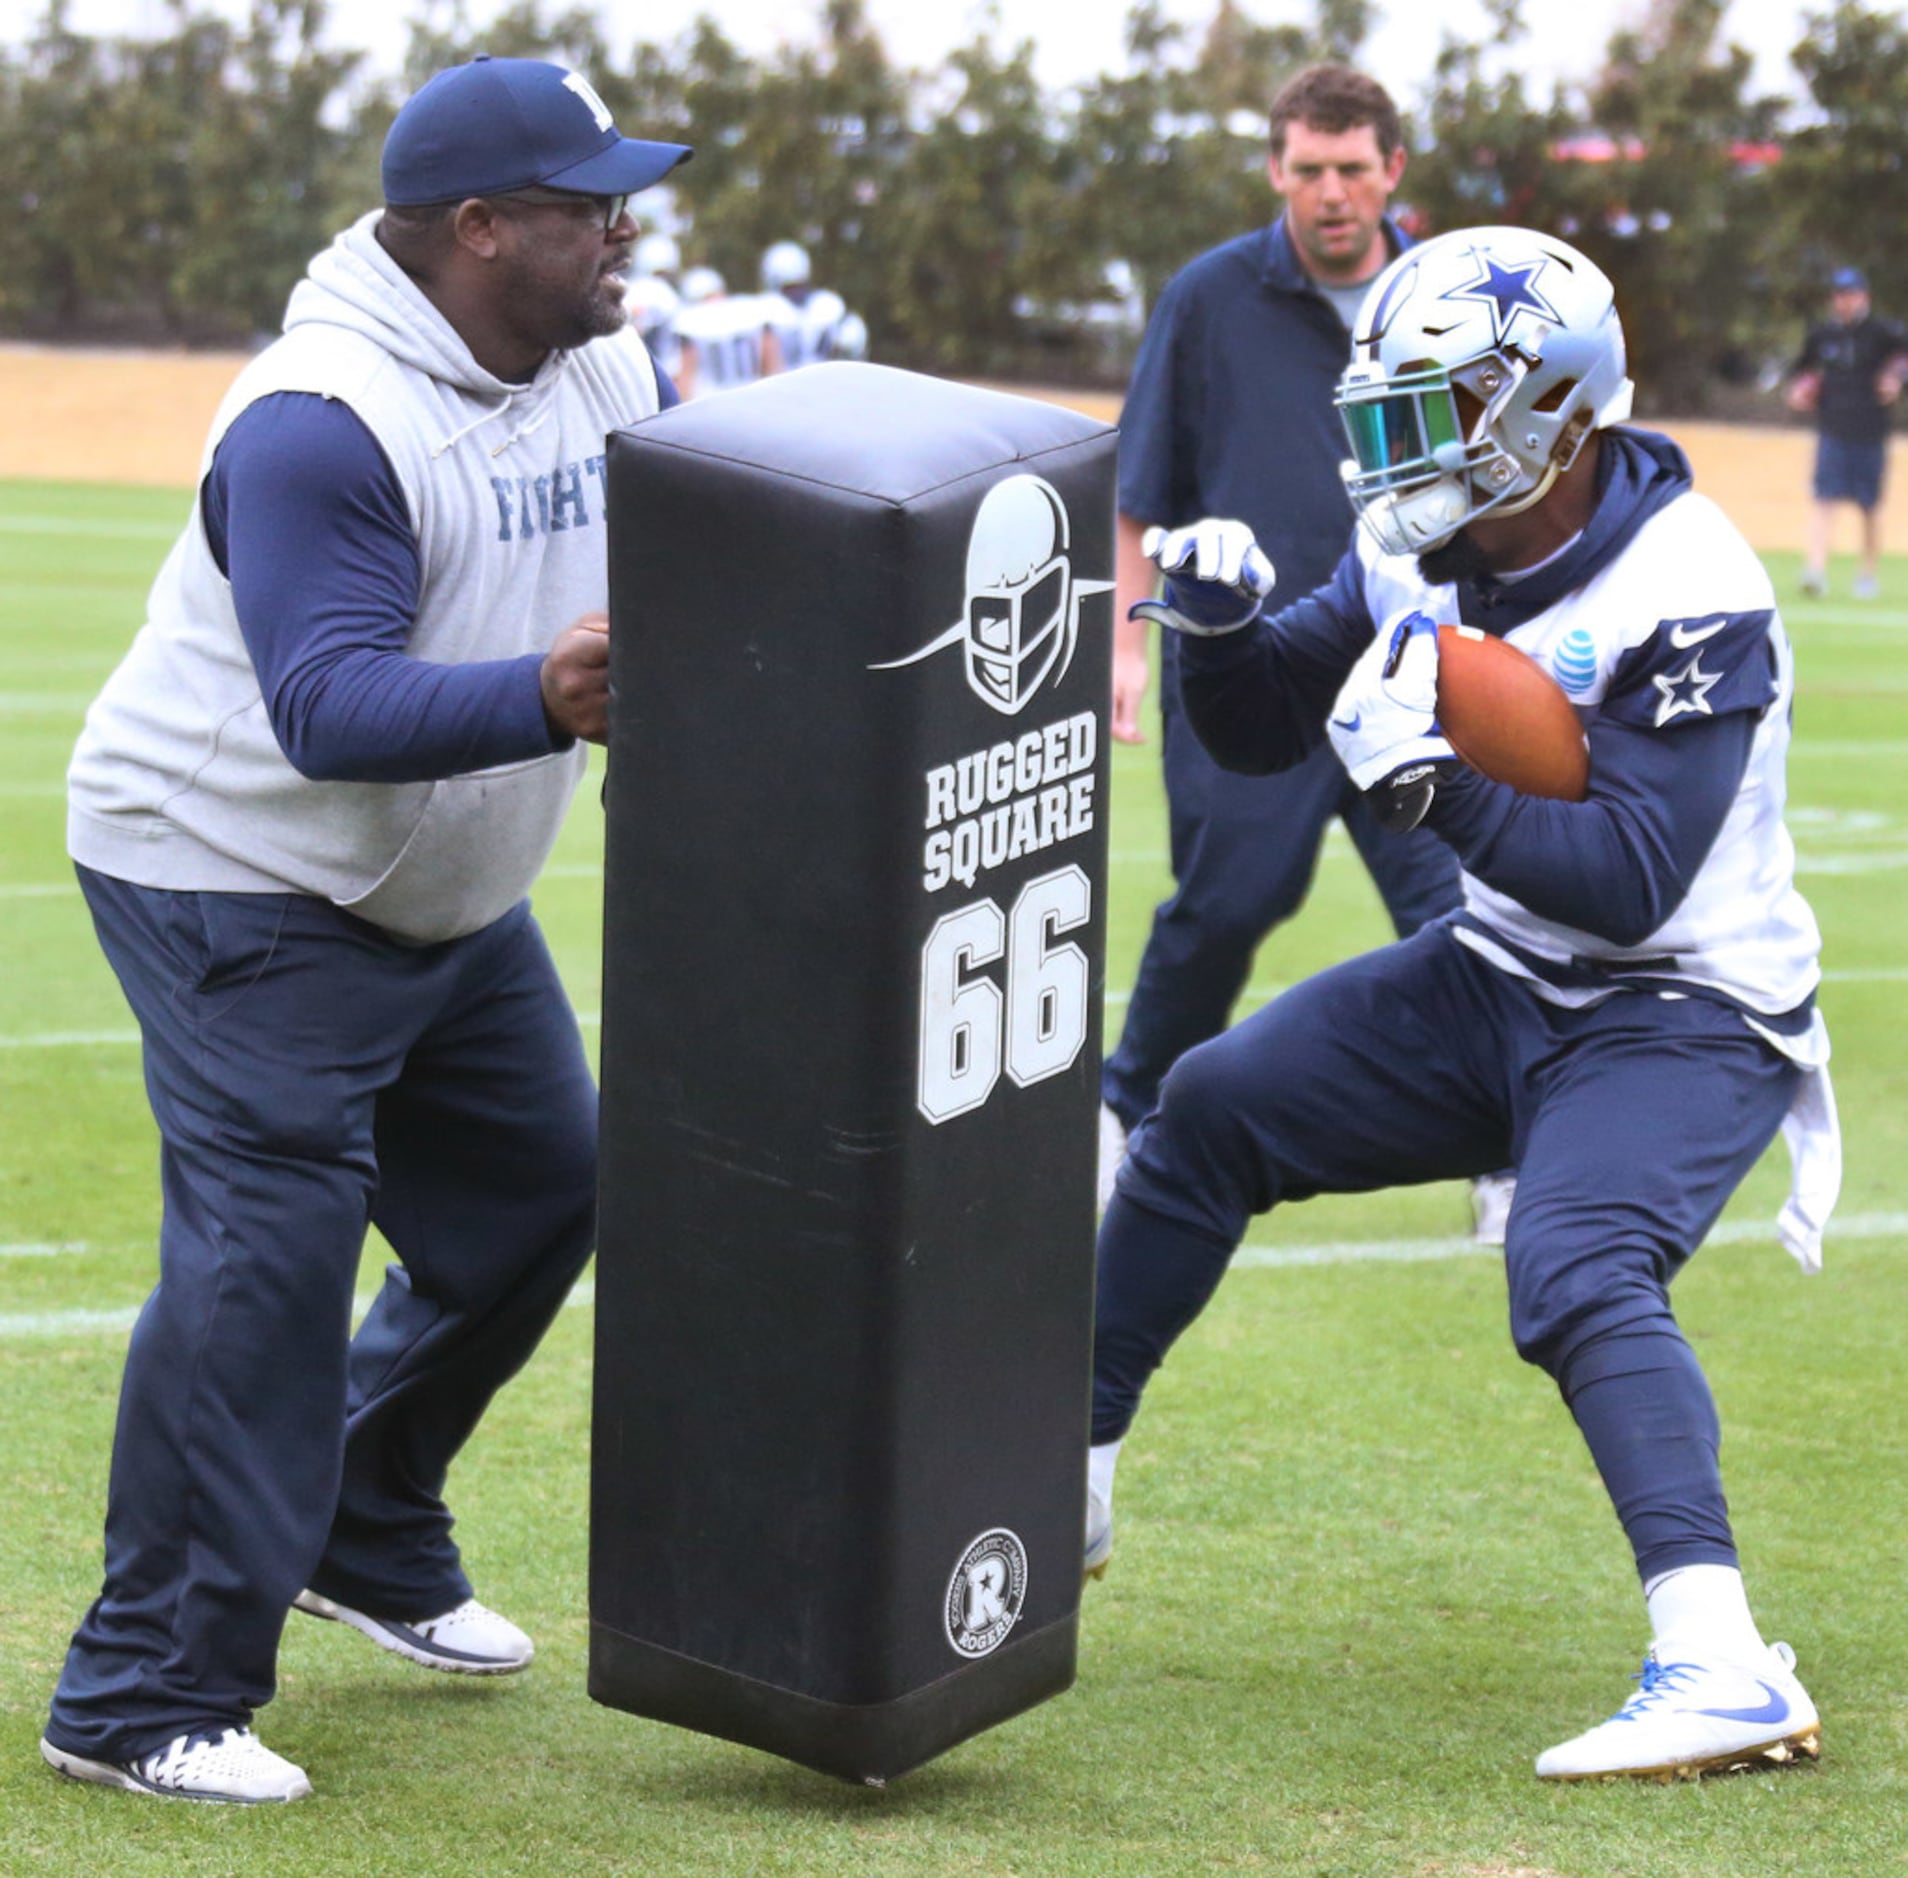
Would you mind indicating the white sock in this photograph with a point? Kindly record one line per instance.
(1701, 1613)
(1101, 1462)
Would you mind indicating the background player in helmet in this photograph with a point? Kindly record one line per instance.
(724, 340)
(653, 299)
(1624, 1004)
(811, 323)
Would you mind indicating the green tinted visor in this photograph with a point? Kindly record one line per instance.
(1400, 423)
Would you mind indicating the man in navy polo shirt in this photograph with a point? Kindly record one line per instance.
(1849, 374)
(1230, 413)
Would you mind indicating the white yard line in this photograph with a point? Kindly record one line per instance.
(68, 1039)
(44, 703)
(79, 525)
(21, 1326)
(593, 1020)
(1254, 1255)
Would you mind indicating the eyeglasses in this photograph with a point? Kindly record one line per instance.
(612, 209)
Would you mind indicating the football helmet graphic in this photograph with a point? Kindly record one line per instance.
(1480, 362)
(1020, 615)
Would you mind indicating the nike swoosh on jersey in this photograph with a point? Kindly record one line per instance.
(1348, 723)
(1774, 1710)
(1681, 635)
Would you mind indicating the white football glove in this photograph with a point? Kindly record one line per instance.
(1384, 725)
(1216, 576)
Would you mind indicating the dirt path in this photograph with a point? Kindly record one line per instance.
(141, 417)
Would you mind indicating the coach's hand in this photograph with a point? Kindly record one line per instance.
(1216, 577)
(576, 680)
(1385, 723)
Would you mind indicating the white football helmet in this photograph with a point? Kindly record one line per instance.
(700, 284)
(658, 254)
(1480, 362)
(784, 264)
(851, 338)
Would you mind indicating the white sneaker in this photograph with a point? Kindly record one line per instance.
(467, 1641)
(1691, 1719)
(1867, 587)
(1112, 1153)
(1491, 1196)
(230, 1764)
(1099, 1534)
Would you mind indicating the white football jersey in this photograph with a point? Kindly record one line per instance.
(726, 336)
(806, 333)
(1682, 624)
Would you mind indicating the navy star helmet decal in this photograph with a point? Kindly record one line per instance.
(1508, 289)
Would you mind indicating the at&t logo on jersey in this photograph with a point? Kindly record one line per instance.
(1020, 616)
(1574, 662)
(986, 1592)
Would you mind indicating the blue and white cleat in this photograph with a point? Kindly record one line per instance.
(1099, 1534)
(1691, 1719)
(470, 1640)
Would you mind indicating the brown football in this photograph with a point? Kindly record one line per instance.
(1507, 717)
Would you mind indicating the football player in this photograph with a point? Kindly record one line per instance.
(724, 340)
(1624, 1005)
(811, 323)
(654, 300)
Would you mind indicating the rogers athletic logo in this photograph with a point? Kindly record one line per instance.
(986, 1592)
(1021, 615)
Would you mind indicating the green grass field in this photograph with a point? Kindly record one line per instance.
(1364, 1572)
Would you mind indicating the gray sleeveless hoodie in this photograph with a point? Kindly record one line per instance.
(178, 780)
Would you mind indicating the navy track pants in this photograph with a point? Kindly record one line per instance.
(1630, 1123)
(311, 1076)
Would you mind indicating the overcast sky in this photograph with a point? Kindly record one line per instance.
(1075, 39)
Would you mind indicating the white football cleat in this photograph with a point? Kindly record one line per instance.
(1691, 1719)
(230, 1764)
(469, 1640)
(1099, 1534)
(1491, 1196)
(1112, 1153)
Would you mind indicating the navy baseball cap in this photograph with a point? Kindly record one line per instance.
(1848, 280)
(495, 125)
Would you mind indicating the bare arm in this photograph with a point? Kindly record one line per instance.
(1135, 578)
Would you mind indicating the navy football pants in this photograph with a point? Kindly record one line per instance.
(1244, 850)
(1630, 1124)
(311, 1076)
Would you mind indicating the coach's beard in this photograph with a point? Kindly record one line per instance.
(1458, 559)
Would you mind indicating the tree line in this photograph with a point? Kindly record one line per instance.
(172, 189)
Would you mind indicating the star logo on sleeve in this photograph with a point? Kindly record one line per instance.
(1685, 693)
(1507, 289)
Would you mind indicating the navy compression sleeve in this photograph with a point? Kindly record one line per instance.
(305, 517)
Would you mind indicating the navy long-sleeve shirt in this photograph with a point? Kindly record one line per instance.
(306, 518)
